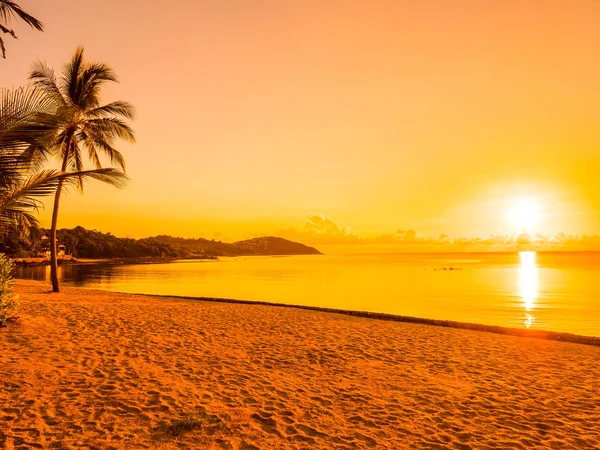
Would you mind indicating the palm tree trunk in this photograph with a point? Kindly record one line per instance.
(53, 252)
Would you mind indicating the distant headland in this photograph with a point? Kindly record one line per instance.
(81, 244)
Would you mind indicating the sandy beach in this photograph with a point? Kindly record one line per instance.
(92, 369)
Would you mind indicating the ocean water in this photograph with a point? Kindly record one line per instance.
(549, 291)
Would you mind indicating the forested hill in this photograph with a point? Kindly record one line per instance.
(82, 243)
(267, 245)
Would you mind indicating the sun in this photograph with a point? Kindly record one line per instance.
(525, 213)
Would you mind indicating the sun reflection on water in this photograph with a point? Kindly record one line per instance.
(528, 285)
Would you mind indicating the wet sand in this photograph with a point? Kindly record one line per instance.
(91, 369)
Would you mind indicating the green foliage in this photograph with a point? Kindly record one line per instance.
(11, 242)
(92, 244)
(82, 243)
(8, 301)
(267, 245)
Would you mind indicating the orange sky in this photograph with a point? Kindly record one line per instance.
(432, 115)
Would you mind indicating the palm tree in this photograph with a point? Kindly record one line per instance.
(84, 124)
(10, 10)
(28, 125)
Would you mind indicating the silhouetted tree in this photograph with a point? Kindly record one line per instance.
(28, 125)
(84, 125)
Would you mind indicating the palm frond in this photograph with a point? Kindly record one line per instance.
(46, 182)
(75, 164)
(27, 128)
(28, 104)
(88, 143)
(21, 218)
(112, 127)
(96, 141)
(2, 46)
(10, 10)
(36, 157)
(24, 224)
(11, 169)
(19, 204)
(71, 77)
(6, 30)
(45, 78)
(109, 175)
(118, 108)
(93, 76)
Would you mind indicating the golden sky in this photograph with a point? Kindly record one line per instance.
(432, 115)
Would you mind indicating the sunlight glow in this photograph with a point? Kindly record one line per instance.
(525, 213)
(528, 284)
(528, 320)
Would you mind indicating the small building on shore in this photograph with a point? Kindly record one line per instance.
(61, 249)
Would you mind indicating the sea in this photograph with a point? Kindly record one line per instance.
(557, 291)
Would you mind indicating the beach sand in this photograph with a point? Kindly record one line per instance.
(91, 369)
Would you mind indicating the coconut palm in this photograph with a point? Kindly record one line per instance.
(10, 10)
(84, 124)
(28, 127)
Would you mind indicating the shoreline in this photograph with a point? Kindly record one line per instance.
(42, 262)
(495, 329)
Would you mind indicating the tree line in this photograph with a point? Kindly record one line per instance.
(91, 244)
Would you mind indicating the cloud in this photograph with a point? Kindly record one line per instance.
(321, 225)
(320, 230)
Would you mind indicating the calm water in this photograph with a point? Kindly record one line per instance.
(559, 291)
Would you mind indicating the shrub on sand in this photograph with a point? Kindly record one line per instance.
(208, 424)
(179, 427)
(8, 301)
